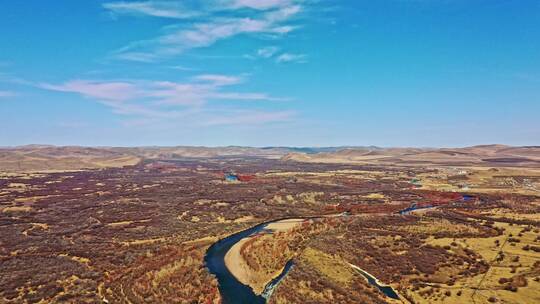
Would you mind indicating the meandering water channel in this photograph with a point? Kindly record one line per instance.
(234, 292)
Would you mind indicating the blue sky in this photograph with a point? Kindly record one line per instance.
(270, 72)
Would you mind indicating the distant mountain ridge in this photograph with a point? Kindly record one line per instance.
(48, 157)
(474, 155)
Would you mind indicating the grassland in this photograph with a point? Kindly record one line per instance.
(138, 233)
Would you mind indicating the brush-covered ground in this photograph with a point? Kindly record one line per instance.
(138, 234)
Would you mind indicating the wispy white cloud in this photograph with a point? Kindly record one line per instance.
(261, 4)
(204, 99)
(190, 9)
(135, 56)
(151, 101)
(182, 68)
(219, 80)
(165, 9)
(270, 17)
(267, 52)
(264, 53)
(113, 91)
(289, 57)
(198, 91)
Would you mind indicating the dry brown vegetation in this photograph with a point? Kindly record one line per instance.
(139, 233)
(173, 274)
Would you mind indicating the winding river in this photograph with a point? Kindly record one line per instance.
(234, 292)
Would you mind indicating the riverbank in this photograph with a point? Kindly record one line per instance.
(384, 288)
(238, 266)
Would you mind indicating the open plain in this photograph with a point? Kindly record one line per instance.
(356, 225)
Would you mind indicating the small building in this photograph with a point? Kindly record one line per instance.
(231, 177)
